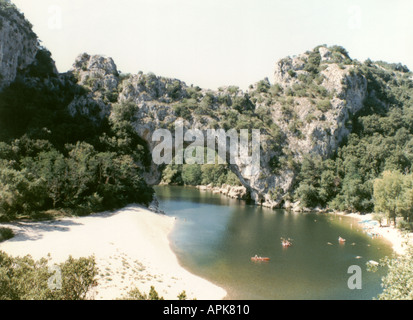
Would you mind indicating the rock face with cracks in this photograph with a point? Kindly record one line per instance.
(18, 44)
(321, 116)
(305, 111)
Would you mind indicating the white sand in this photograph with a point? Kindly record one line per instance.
(400, 241)
(131, 248)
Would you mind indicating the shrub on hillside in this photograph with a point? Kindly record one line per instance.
(24, 278)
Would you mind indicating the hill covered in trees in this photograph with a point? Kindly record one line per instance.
(330, 126)
(380, 138)
(380, 141)
(49, 158)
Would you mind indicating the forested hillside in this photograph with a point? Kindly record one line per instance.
(381, 139)
(50, 159)
(81, 141)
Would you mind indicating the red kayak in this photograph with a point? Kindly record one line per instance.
(260, 258)
(286, 243)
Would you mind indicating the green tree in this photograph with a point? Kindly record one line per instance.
(192, 174)
(407, 199)
(78, 278)
(398, 283)
(308, 196)
(51, 168)
(24, 278)
(82, 167)
(5, 234)
(182, 296)
(388, 194)
(172, 174)
(21, 192)
(136, 294)
(214, 173)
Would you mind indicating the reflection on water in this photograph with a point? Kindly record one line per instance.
(216, 236)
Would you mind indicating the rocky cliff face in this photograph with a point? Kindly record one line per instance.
(18, 44)
(305, 111)
(311, 110)
(315, 112)
(100, 77)
(324, 118)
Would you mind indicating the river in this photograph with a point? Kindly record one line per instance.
(216, 236)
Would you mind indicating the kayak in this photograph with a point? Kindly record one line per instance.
(260, 258)
(286, 243)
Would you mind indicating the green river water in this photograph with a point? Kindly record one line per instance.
(215, 237)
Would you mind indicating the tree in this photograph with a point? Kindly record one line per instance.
(355, 193)
(214, 173)
(192, 174)
(21, 192)
(24, 278)
(328, 186)
(136, 294)
(308, 196)
(407, 198)
(398, 283)
(174, 89)
(314, 60)
(324, 105)
(378, 216)
(388, 194)
(172, 174)
(82, 167)
(182, 296)
(52, 168)
(78, 278)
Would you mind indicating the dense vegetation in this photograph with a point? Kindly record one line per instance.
(5, 234)
(393, 197)
(23, 278)
(381, 136)
(10, 11)
(381, 139)
(50, 159)
(398, 282)
(136, 294)
(27, 279)
(381, 132)
(199, 174)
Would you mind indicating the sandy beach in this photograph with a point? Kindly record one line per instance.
(131, 248)
(399, 240)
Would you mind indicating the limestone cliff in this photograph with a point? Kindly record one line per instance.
(305, 110)
(310, 109)
(18, 43)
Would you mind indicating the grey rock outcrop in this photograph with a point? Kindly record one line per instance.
(305, 110)
(235, 192)
(154, 98)
(100, 76)
(321, 130)
(18, 44)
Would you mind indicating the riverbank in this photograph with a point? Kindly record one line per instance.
(399, 240)
(131, 248)
(234, 192)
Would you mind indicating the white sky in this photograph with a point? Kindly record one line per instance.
(211, 43)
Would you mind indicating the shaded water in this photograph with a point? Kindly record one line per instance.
(216, 236)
